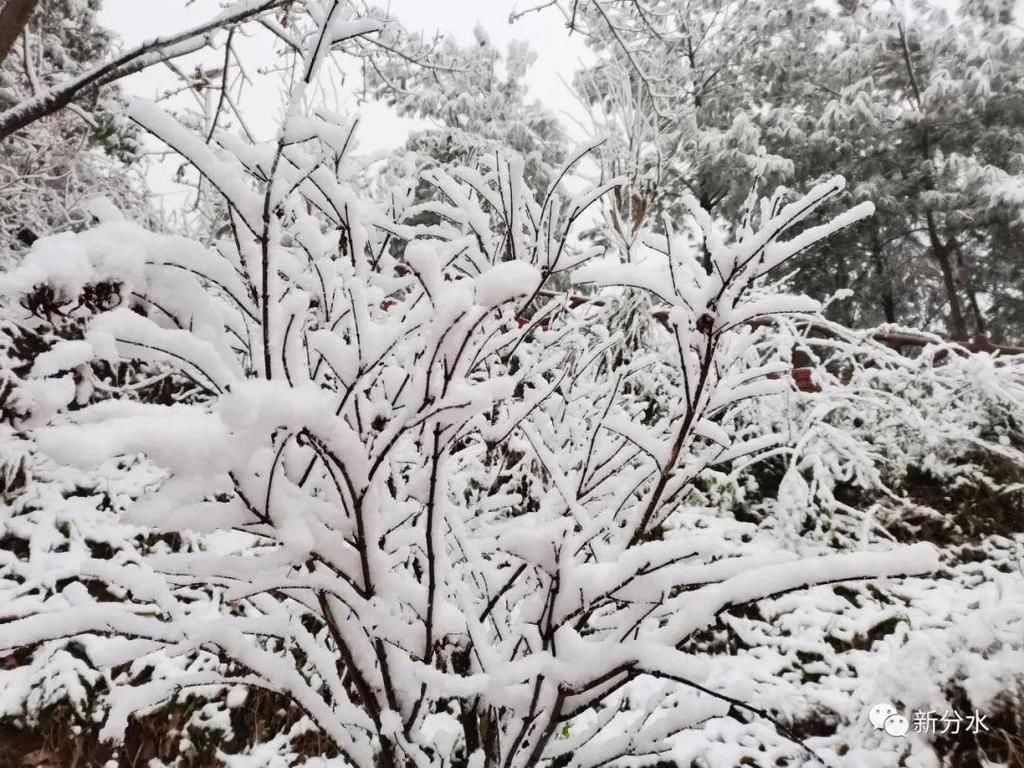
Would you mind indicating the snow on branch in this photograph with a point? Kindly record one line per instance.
(452, 517)
(134, 60)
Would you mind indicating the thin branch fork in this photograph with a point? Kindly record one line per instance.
(135, 60)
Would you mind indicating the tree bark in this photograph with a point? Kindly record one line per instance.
(967, 274)
(941, 253)
(14, 16)
(885, 293)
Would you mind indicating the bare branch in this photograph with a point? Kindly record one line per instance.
(138, 58)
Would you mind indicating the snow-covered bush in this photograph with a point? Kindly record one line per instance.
(890, 448)
(881, 430)
(436, 514)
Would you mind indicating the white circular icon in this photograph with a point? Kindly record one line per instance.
(896, 725)
(879, 713)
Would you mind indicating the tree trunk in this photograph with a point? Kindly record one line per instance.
(967, 273)
(705, 202)
(14, 17)
(941, 253)
(940, 250)
(957, 326)
(885, 293)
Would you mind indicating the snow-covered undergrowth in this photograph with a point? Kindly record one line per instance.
(892, 449)
(379, 471)
(818, 660)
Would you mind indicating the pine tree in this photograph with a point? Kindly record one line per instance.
(707, 98)
(927, 125)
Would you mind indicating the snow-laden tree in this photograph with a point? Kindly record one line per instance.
(477, 97)
(891, 448)
(688, 94)
(924, 123)
(439, 517)
(86, 81)
(878, 422)
(920, 121)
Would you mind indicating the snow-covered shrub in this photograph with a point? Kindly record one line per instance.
(889, 435)
(430, 519)
(891, 448)
(45, 368)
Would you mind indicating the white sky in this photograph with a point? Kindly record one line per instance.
(558, 56)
